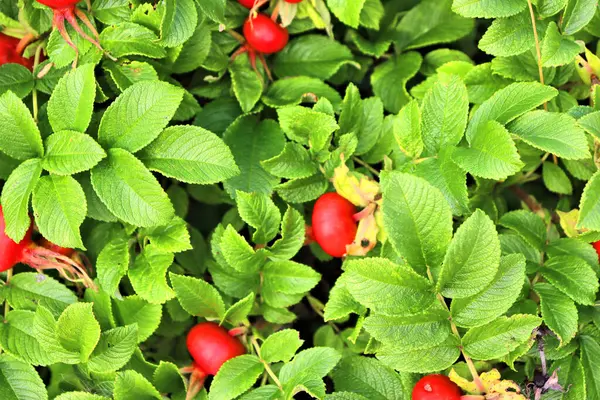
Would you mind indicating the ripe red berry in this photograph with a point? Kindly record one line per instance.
(9, 52)
(247, 3)
(333, 224)
(265, 35)
(293, 1)
(211, 346)
(56, 4)
(597, 247)
(12, 253)
(436, 387)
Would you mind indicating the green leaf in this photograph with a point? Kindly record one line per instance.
(77, 330)
(558, 311)
(238, 313)
(590, 123)
(306, 126)
(428, 329)
(17, 79)
(168, 379)
(423, 360)
(308, 368)
(499, 337)
(127, 73)
(548, 8)
(112, 264)
(28, 290)
(128, 39)
(197, 297)
(131, 385)
(235, 377)
(281, 346)
(115, 348)
(72, 102)
(178, 23)
(367, 377)
(303, 190)
(472, 259)
(20, 137)
(389, 80)
(495, 299)
(195, 51)
(555, 133)
(247, 82)
(289, 277)
(292, 236)
(443, 173)
(134, 310)
(572, 276)
(20, 381)
(130, 191)
(492, 155)
(18, 339)
(419, 235)
(190, 154)
(527, 225)
(430, 22)
(348, 13)
(111, 12)
(510, 36)
(508, 104)
(238, 253)
(293, 91)
(577, 15)
(45, 329)
(558, 49)
(488, 8)
(590, 356)
(341, 303)
(148, 275)
(444, 115)
(292, 163)
(252, 142)
(407, 130)
(80, 396)
(69, 152)
(261, 213)
(15, 198)
(589, 216)
(387, 288)
(60, 208)
(316, 56)
(555, 179)
(172, 238)
(139, 115)
(214, 9)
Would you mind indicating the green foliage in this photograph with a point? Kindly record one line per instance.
(183, 167)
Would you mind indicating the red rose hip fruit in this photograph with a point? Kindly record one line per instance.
(265, 35)
(597, 247)
(293, 1)
(436, 387)
(10, 52)
(211, 346)
(247, 3)
(333, 223)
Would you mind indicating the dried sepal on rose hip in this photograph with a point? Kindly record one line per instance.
(66, 10)
(38, 257)
(210, 346)
(494, 387)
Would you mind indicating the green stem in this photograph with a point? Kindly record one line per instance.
(468, 360)
(538, 49)
(367, 166)
(267, 366)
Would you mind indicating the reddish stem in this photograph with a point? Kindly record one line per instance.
(196, 383)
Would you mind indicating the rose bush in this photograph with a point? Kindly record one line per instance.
(159, 166)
